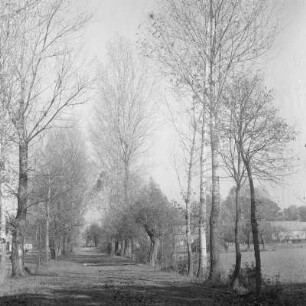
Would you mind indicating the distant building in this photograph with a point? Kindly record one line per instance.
(289, 231)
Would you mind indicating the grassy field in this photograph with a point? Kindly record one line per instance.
(289, 263)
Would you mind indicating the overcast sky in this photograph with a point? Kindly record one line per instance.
(285, 72)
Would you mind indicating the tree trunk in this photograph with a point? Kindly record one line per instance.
(132, 249)
(202, 268)
(18, 232)
(113, 246)
(70, 244)
(52, 248)
(47, 221)
(47, 239)
(248, 242)
(3, 236)
(153, 251)
(126, 182)
(116, 246)
(215, 208)
(128, 248)
(57, 247)
(3, 219)
(188, 197)
(188, 240)
(123, 247)
(263, 244)
(236, 274)
(214, 274)
(254, 228)
(38, 242)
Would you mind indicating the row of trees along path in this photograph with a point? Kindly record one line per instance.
(202, 48)
(40, 80)
(205, 47)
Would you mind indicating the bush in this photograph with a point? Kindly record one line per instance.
(271, 287)
(248, 275)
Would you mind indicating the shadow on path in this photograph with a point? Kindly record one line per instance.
(112, 296)
(93, 258)
(89, 278)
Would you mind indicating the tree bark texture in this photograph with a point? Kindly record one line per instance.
(187, 201)
(47, 221)
(188, 240)
(119, 249)
(215, 208)
(128, 248)
(57, 244)
(126, 182)
(254, 229)
(47, 237)
(38, 241)
(18, 232)
(3, 235)
(214, 274)
(122, 246)
(236, 274)
(52, 248)
(202, 268)
(154, 251)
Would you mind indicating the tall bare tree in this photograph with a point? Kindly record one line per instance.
(188, 137)
(6, 131)
(200, 43)
(41, 82)
(260, 137)
(202, 267)
(124, 111)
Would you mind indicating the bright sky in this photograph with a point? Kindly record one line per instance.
(286, 73)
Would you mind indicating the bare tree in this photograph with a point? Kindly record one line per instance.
(11, 8)
(202, 268)
(6, 131)
(41, 82)
(123, 113)
(41, 194)
(200, 43)
(59, 190)
(189, 145)
(260, 137)
(234, 166)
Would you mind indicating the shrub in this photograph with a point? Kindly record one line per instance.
(271, 286)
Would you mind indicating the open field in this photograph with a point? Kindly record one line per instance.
(289, 263)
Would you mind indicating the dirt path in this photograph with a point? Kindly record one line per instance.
(92, 278)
